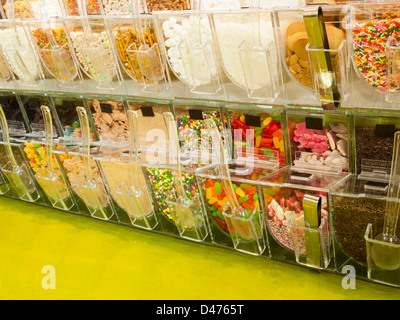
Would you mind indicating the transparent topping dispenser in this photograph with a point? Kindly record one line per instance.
(232, 199)
(321, 142)
(14, 167)
(188, 45)
(94, 52)
(110, 120)
(298, 221)
(257, 133)
(248, 54)
(138, 52)
(47, 171)
(49, 37)
(314, 73)
(365, 220)
(153, 133)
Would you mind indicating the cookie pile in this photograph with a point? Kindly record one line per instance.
(296, 53)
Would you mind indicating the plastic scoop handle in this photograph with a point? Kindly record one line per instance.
(222, 161)
(133, 147)
(174, 142)
(393, 205)
(6, 138)
(85, 129)
(48, 129)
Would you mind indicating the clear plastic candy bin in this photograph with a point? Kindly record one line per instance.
(300, 63)
(49, 39)
(257, 131)
(138, 207)
(138, 52)
(298, 220)
(86, 182)
(321, 141)
(94, 51)
(248, 54)
(372, 36)
(20, 57)
(373, 140)
(358, 206)
(70, 127)
(187, 43)
(246, 234)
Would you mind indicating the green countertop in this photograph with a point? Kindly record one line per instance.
(98, 260)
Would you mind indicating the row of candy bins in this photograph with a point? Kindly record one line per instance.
(48, 136)
(303, 78)
(25, 9)
(221, 55)
(90, 54)
(39, 152)
(256, 132)
(119, 7)
(298, 220)
(372, 31)
(319, 140)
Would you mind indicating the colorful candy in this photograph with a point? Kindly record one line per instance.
(42, 40)
(192, 133)
(217, 199)
(163, 187)
(263, 141)
(369, 45)
(37, 158)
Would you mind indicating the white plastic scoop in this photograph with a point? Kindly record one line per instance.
(18, 175)
(91, 190)
(53, 183)
(188, 213)
(135, 197)
(387, 257)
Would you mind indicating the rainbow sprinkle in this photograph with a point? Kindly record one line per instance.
(369, 45)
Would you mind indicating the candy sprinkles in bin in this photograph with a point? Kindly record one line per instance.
(163, 187)
(194, 138)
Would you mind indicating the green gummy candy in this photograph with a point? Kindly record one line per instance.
(75, 125)
(213, 208)
(243, 199)
(218, 188)
(277, 118)
(234, 186)
(245, 185)
(255, 197)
